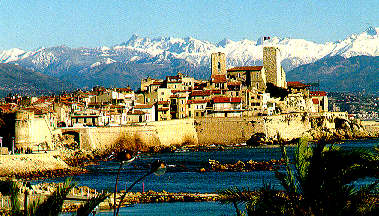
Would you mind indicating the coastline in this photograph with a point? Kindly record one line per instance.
(66, 161)
(35, 166)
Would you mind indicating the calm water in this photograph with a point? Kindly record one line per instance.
(182, 176)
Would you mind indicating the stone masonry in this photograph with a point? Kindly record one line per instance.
(218, 63)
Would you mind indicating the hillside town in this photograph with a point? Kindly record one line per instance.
(234, 92)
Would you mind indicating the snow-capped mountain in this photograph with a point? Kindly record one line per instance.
(179, 53)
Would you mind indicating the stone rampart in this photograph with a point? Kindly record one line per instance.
(34, 131)
(140, 136)
(198, 131)
(287, 126)
(221, 130)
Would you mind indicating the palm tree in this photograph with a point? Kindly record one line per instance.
(51, 205)
(319, 182)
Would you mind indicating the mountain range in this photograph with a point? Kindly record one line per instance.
(126, 63)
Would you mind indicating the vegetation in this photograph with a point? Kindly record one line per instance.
(50, 206)
(319, 181)
(276, 92)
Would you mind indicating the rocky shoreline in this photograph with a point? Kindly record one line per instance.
(78, 195)
(240, 166)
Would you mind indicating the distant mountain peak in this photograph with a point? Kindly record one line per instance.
(224, 42)
(371, 31)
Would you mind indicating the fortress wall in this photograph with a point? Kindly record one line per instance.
(103, 138)
(176, 132)
(288, 127)
(199, 131)
(142, 136)
(226, 130)
(33, 131)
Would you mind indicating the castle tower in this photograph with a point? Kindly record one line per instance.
(218, 63)
(274, 71)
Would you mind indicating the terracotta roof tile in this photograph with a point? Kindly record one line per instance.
(219, 78)
(163, 109)
(296, 84)
(227, 99)
(136, 112)
(246, 68)
(317, 93)
(200, 93)
(197, 101)
(143, 106)
(163, 102)
(234, 83)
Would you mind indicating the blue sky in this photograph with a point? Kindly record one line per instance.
(29, 24)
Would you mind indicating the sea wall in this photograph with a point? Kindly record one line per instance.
(287, 126)
(139, 136)
(226, 130)
(198, 131)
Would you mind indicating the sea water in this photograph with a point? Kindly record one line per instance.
(183, 175)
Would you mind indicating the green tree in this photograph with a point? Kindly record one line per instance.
(50, 206)
(319, 181)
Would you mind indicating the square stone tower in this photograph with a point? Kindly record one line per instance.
(218, 63)
(274, 71)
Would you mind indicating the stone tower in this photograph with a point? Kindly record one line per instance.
(274, 71)
(218, 61)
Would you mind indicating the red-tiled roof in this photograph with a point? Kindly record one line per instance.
(234, 83)
(196, 101)
(173, 77)
(157, 83)
(227, 100)
(124, 89)
(163, 109)
(175, 91)
(246, 68)
(143, 106)
(315, 100)
(216, 91)
(201, 93)
(136, 112)
(163, 102)
(296, 84)
(317, 93)
(219, 78)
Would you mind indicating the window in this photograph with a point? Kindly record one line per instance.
(219, 66)
(257, 85)
(257, 75)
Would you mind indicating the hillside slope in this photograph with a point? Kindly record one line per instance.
(16, 79)
(355, 74)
